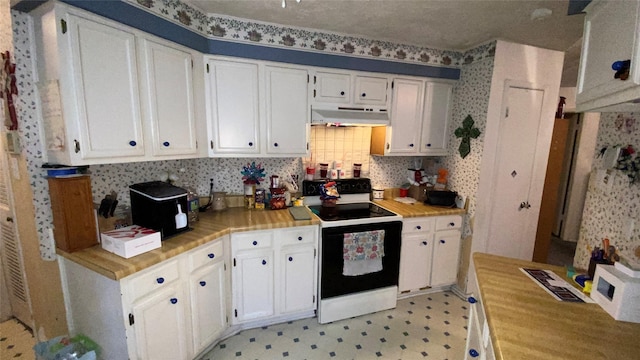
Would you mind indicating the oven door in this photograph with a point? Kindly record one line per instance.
(333, 283)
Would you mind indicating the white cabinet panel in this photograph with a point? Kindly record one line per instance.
(233, 107)
(287, 111)
(371, 90)
(406, 117)
(161, 325)
(168, 75)
(445, 257)
(297, 278)
(332, 87)
(105, 83)
(253, 285)
(436, 118)
(208, 306)
(415, 264)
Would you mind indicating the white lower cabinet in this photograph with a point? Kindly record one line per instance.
(208, 305)
(478, 344)
(274, 274)
(430, 252)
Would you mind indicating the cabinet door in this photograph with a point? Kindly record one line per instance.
(287, 112)
(233, 107)
(415, 261)
(371, 90)
(104, 73)
(406, 117)
(168, 90)
(332, 87)
(435, 123)
(161, 325)
(297, 276)
(610, 35)
(446, 249)
(208, 305)
(253, 285)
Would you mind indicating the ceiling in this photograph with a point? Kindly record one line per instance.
(442, 24)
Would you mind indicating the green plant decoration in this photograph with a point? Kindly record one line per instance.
(466, 132)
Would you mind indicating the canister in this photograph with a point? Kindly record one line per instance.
(378, 193)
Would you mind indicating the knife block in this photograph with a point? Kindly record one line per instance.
(74, 223)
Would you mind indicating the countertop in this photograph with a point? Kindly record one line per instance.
(212, 225)
(527, 323)
(417, 209)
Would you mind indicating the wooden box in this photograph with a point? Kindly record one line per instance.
(74, 224)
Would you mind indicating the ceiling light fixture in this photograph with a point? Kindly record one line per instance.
(284, 3)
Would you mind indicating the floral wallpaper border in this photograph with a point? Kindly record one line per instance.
(229, 28)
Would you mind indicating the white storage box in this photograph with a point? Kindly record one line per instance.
(617, 293)
(130, 241)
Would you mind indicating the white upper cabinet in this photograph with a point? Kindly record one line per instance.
(233, 111)
(110, 93)
(104, 84)
(168, 95)
(436, 118)
(611, 35)
(287, 110)
(335, 88)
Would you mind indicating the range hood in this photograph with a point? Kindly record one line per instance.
(351, 116)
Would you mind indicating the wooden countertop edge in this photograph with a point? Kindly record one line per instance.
(417, 209)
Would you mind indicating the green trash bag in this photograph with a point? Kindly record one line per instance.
(79, 347)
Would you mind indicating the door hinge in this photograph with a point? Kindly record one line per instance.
(314, 299)
(235, 312)
(307, 78)
(506, 114)
(314, 93)
(227, 319)
(63, 25)
(207, 67)
(392, 84)
(234, 262)
(211, 144)
(388, 146)
(314, 253)
(314, 79)
(307, 146)
(225, 266)
(131, 320)
(196, 144)
(76, 145)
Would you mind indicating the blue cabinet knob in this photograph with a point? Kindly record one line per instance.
(250, 143)
(442, 241)
(428, 145)
(474, 353)
(211, 256)
(364, 94)
(410, 145)
(299, 238)
(166, 144)
(132, 143)
(264, 262)
(452, 224)
(160, 280)
(290, 258)
(424, 243)
(203, 283)
(341, 92)
(418, 227)
(275, 144)
(254, 242)
(174, 300)
(472, 300)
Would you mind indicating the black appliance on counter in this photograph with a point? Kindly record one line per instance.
(155, 205)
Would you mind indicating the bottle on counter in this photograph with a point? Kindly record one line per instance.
(193, 205)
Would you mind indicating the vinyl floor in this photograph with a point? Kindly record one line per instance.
(431, 326)
(16, 341)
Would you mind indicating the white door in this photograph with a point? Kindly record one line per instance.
(406, 117)
(168, 91)
(437, 112)
(12, 261)
(160, 325)
(253, 285)
(446, 252)
(233, 112)
(415, 261)
(288, 111)
(371, 90)
(514, 214)
(297, 279)
(208, 306)
(106, 83)
(332, 87)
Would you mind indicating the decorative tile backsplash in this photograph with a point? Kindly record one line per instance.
(609, 209)
(229, 28)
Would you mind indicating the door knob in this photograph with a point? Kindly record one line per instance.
(9, 219)
(524, 205)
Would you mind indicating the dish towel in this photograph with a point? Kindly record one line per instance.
(363, 252)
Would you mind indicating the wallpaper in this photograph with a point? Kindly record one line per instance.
(229, 28)
(471, 97)
(611, 209)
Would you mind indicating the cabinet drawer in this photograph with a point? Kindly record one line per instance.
(418, 225)
(252, 240)
(448, 222)
(207, 254)
(296, 235)
(154, 278)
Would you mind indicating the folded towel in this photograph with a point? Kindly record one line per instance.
(363, 252)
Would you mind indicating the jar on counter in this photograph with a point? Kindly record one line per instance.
(219, 201)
